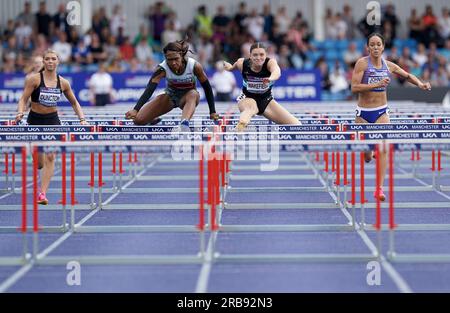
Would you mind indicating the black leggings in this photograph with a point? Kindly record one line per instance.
(43, 119)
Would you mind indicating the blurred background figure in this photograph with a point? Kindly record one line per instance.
(101, 87)
(224, 83)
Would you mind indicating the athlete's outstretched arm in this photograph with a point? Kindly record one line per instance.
(67, 90)
(237, 65)
(274, 69)
(30, 84)
(394, 68)
(148, 92)
(201, 75)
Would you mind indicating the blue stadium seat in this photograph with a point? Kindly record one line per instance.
(308, 65)
(332, 55)
(329, 44)
(360, 43)
(398, 43)
(411, 43)
(318, 44)
(342, 44)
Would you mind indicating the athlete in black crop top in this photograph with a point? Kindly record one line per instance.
(45, 89)
(258, 74)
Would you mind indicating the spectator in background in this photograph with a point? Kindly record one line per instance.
(420, 57)
(220, 24)
(96, 49)
(204, 49)
(282, 20)
(388, 33)
(203, 22)
(223, 82)
(325, 82)
(60, 19)
(172, 17)
(444, 24)
(394, 55)
(82, 54)
(339, 83)
(127, 50)
(11, 49)
(254, 24)
(341, 26)
(1, 56)
(245, 47)
(22, 30)
(111, 49)
(9, 30)
(351, 55)
(118, 19)
(27, 16)
(430, 24)
(240, 16)
(389, 15)
(34, 65)
(442, 77)
(329, 24)
(27, 48)
(43, 19)
(284, 57)
(100, 21)
(415, 26)
(144, 52)
(157, 20)
(135, 66)
(116, 66)
(9, 66)
(74, 36)
(268, 20)
(63, 48)
(347, 17)
(143, 33)
(295, 38)
(101, 87)
(170, 34)
(41, 44)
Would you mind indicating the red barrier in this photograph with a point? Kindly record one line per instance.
(35, 190)
(353, 178)
(201, 224)
(6, 170)
(113, 163)
(13, 163)
(377, 187)
(24, 190)
(363, 198)
(433, 160)
(345, 168)
(63, 179)
(338, 169)
(100, 170)
(92, 182)
(391, 188)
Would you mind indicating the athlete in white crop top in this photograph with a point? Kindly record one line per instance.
(181, 75)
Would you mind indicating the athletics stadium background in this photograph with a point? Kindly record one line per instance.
(309, 38)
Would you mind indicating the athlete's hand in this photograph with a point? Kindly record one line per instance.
(425, 86)
(131, 115)
(227, 66)
(18, 118)
(384, 82)
(214, 116)
(84, 122)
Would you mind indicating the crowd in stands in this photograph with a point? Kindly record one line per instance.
(228, 35)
